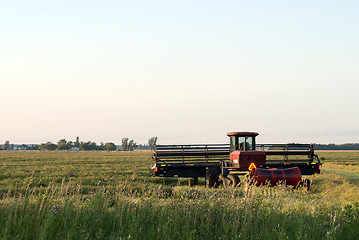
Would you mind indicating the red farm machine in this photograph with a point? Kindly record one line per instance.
(224, 163)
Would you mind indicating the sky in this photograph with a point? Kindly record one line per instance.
(184, 71)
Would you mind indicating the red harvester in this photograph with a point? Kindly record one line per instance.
(263, 163)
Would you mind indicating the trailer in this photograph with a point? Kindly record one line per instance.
(225, 163)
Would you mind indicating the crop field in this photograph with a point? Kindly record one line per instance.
(112, 195)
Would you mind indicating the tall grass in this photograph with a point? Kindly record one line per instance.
(186, 213)
(114, 197)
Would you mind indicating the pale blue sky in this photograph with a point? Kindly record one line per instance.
(185, 71)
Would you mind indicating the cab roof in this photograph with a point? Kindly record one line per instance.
(242, 134)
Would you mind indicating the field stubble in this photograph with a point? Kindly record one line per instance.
(111, 195)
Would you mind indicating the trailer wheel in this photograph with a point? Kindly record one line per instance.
(195, 181)
(231, 181)
(212, 175)
(306, 184)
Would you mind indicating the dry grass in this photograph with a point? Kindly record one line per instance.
(111, 195)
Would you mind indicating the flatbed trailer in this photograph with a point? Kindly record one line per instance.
(225, 162)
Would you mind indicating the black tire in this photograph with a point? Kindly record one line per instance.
(195, 181)
(212, 175)
(231, 181)
(306, 184)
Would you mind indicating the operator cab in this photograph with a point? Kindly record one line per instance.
(242, 141)
(243, 155)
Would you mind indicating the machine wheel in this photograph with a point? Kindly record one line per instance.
(212, 175)
(306, 184)
(231, 181)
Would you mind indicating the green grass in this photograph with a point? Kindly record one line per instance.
(111, 195)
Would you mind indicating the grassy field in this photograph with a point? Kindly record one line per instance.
(111, 195)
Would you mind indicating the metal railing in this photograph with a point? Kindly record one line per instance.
(193, 152)
(219, 152)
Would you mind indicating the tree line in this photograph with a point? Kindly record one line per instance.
(126, 145)
(130, 145)
(346, 146)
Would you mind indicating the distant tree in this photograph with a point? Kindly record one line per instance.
(77, 143)
(132, 145)
(23, 147)
(93, 146)
(83, 146)
(63, 145)
(152, 142)
(102, 146)
(42, 146)
(332, 146)
(70, 144)
(124, 144)
(48, 146)
(51, 146)
(33, 147)
(88, 146)
(110, 146)
(7, 145)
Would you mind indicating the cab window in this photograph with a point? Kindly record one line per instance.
(249, 144)
(241, 143)
(232, 144)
